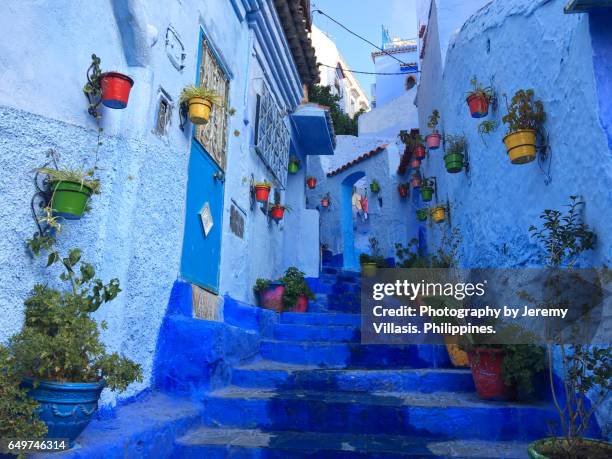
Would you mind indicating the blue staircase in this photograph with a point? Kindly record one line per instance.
(315, 392)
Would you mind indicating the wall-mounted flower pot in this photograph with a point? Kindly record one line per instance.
(427, 193)
(433, 141)
(453, 162)
(438, 214)
(294, 167)
(374, 187)
(403, 191)
(420, 152)
(325, 202)
(301, 305)
(521, 146)
(416, 182)
(415, 163)
(199, 110)
(277, 212)
(262, 192)
(368, 269)
(311, 182)
(65, 407)
(421, 215)
(479, 105)
(487, 364)
(69, 199)
(601, 447)
(115, 88)
(272, 296)
(458, 357)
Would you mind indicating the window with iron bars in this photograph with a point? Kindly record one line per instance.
(213, 135)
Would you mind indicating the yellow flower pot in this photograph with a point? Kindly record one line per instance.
(368, 269)
(199, 110)
(521, 146)
(438, 214)
(458, 357)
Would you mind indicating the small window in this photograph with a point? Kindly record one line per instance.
(339, 71)
(410, 82)
(164, 113)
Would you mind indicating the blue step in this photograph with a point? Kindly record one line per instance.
(320, 319)
(435, 415)
(298, 332)
(352, 355)
(272, 375)
(218, 443)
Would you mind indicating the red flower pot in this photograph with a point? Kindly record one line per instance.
(115, 89)
(325, 202)
(301, 305)
(420, 152)
(262, 192)
(416, 182)
(277, 212)
(272, 297)
(433, 141)
(311, 182)
(479, 105)
(487, 366)
(403, 191)
(415, 163)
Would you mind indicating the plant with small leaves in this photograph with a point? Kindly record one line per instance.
(433, 121)
(485, 128)
(455, 144)
(261, 285)
(202, 92)
(92, 88)
(479, 90)
(524, 112)
(295, 286)
(82, 177)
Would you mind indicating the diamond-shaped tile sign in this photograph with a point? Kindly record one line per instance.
(206, 218)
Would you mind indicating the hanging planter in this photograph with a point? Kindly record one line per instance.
(374, 186)
(420, 152)
(454, 159)
(326, 201)
(427, 193)
(403, 190)
(524, 119)
(433, 139)
(115, 88)
(421, 215)
(71, 190)
(294, 166)
(311, 182)
(415, 163)
(200, 101)
(416, 181)
(453, 162)
(438, 214)
(478, 99)
(487, 364)
(262, 191)
(277, 212)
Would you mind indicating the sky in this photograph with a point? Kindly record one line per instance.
(365, 17)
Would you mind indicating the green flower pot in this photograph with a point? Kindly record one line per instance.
(427, 193)
(293, 168)
(605, 446)
(454, 162)
(421, 215)
(374, 188)
(69, 199)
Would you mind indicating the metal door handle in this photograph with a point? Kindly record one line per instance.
(219, 175)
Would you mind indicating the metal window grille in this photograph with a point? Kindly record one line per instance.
(272, 137)
(213, 135)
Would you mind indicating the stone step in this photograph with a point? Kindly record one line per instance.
(435, 415)
(320, 318)
(354, 355)
(272, 375)
(332, 333)
(213, 443)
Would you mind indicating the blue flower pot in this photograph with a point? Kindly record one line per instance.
(66, 408)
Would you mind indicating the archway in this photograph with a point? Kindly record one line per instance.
(351, 260)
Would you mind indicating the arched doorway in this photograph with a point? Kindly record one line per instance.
(351, 260)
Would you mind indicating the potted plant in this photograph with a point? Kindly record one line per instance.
(421, 214)
(419, 148)
(416, 180)
(311, 182)
(374, 186)
(70, 191)
(371, 263)
(478, 99)
(584, 381)
(58, 351)
(433, 139)
(326, 201)
(455, 150)
(200, 101)
(403, 190)
(115, 88)
(294, 165)
(438, 214)
(524, 119)
(415, 163)
(427, 189)
(262, 191)
(297, 292)
(277, 211)
(269, 294)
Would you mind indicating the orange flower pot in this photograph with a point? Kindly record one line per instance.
(262, 192)
(277, 212)
(311, 182)
(479, 105)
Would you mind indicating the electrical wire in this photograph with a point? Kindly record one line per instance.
(371, 73)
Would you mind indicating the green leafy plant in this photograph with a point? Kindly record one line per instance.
(524, 112)
(84, 177)
(586, 371)
(479, 89)
(433, 121)
(374, 186)
(455, 144)
(485, 128)
(295, 286)
(60, 340)
(411, 139)
(374, 256)
(193, 91)
(261, 285)
(343, 123)
(18, 416)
